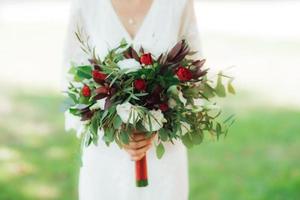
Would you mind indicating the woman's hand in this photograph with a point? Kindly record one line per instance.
(138, 146)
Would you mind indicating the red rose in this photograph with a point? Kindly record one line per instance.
(140, 84)
(86, 91)
(184, 74)
(163, 107)
(146, 59)
(98, 76)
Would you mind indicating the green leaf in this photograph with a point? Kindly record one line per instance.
(186, 140)
(160, 150)
(218, 130)
(108, 136)
(123, 43)
(83, 100)
(208, 91)
(230, 87)
(220, 88)
(197, 137)
(94, 125)
(74, 111)
(163, 134)
(124, 137)
(84, 72)
(117, 122)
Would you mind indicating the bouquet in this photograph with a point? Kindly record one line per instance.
(169, 95)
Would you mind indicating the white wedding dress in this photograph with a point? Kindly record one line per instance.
(107, 172)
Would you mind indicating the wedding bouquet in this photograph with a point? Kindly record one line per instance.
(128, 90)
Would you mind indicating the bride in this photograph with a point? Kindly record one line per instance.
(156, 25)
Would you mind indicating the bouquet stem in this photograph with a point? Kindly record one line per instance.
(141, 172)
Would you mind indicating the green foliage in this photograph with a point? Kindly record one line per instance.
(220, 88)
(160, 150)
(187, 140)
(83, 72)
(163, 134)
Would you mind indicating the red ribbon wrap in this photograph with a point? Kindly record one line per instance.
(141, 170)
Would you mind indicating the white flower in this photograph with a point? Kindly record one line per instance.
(100, 104)
(181, 98)
(171, 103)
(185, 127)
(130, 65)
(156, 119)
(125, 110)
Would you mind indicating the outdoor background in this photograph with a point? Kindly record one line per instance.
(257, 41)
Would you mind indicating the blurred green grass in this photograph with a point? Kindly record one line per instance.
(259, 159)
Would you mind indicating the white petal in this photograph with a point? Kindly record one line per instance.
(157, 119)
(100, 104)
(181, 98)
(124, 110)
(185, 127)
(129, 64)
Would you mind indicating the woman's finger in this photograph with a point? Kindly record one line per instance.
(137, 145)
(138, 137)
(141, 136)
(138, 152)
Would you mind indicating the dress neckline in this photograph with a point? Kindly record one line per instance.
(140, 28)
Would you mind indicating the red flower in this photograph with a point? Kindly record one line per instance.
(163, 107)
(184, 74)
(86, 91)
(98, 76)
(146, 59)
(140, 84)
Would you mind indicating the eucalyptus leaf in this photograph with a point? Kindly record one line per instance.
(124, 137)
(218, 130)
(197, 137)
(163, 134)
(208, 91)
(117, 122)
(160, 150)
(220, 88)
(186, 140)
(108, 136)
(230, 87)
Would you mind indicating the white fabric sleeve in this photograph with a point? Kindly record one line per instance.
(189, 29)
(73, 54)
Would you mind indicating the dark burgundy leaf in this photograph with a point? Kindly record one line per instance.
(142, 50)
(108, 103)
(102, 90)
(199, 73)
(127, 54)
(134, 54)
(199, 63)
(175, 50)
(99, 96)
(87, 115)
